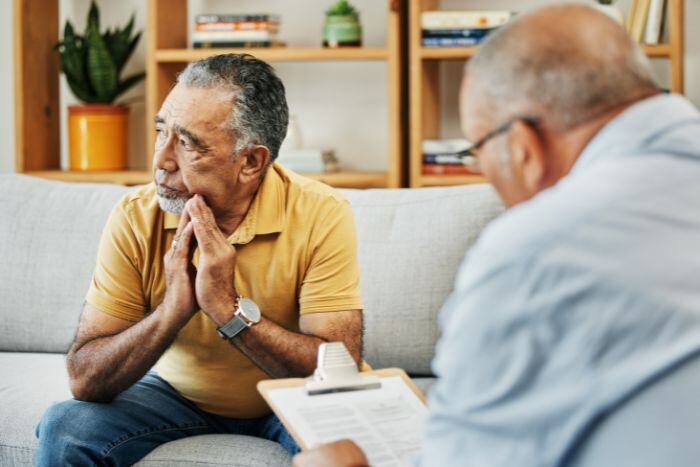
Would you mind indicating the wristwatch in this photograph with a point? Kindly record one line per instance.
(247, 314)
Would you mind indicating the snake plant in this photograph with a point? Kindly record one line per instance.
(93, 63)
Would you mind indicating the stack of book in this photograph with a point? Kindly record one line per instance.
(448, 157)
(646, 20)
(235, 31)
(308, 160)
(459, 28)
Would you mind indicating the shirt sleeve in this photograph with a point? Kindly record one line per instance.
(116, 287)
(332, 280)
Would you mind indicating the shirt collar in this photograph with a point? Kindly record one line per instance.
(266, 214)
(636, 127)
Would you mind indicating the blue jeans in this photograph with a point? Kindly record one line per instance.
(138, 420)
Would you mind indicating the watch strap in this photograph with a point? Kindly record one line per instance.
(232, 328)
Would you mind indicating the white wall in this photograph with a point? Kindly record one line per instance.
(339, 105)
(7, 102)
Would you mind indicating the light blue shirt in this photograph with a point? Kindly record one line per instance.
(574, 300)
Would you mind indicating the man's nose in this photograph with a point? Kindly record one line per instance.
(164, 158)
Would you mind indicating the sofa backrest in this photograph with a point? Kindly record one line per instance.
(49, 233)
(411, 243)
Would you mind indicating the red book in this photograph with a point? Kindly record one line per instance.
(447, 169)
(237, 26)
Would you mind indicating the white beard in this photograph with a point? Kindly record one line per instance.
(174, 205)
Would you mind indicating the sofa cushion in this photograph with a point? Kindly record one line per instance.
(31, 382)
(411, 244)
(218, 450)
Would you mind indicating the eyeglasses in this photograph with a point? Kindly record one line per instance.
(532, 121)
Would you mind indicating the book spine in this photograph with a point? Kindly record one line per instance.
(444, 169)
(652, 35)
(454, 159)
(464, 19)
(221, 36)
(450, 42)
(632, 15)
(456, 33)
(640, 20)
(236, 26)
(234, 18)
(230, 44)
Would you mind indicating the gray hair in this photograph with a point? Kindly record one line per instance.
(563, 64)
(259, 112)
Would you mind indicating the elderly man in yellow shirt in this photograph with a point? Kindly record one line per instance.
(227, 270)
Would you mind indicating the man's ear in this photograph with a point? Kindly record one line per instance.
(256, 159)
(528, 157)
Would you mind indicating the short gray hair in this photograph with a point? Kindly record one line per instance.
(259, 113)
(561, 73)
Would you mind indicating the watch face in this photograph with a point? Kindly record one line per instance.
(249, 309)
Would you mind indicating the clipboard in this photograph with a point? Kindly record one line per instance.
(337, 381)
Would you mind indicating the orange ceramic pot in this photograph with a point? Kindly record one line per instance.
(97, 136)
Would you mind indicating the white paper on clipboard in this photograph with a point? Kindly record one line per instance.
(386, 422)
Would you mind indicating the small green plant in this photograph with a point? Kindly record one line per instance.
(342, 8)
(93, 63)
(605, 2)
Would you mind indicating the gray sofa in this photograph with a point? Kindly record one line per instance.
(411, 243)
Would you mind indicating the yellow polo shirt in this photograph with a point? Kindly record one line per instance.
(296, 253)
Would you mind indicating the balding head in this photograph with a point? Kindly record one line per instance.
(541, 87)
(563, 64)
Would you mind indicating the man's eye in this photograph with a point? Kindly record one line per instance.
(186, 146)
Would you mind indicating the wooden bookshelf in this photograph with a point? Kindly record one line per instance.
(425, 92)
(168, 53)
(278, 54)
(36, 28)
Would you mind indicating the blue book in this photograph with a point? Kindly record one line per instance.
(448, 158)
(451, 42)
(456, 33)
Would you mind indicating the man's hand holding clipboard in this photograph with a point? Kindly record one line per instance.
(380, 413)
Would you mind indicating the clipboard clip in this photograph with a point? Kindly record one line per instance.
(336, 371)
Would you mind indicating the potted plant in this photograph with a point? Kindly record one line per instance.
(92, 64)
(342, 27)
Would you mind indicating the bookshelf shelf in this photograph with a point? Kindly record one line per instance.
(168, 52)
(445, 180)
(277, 54)
(424, 68)
(446, 53)
(660, 50)
(463, 53)
(352, 179)
(143, 176)
(122, 177)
